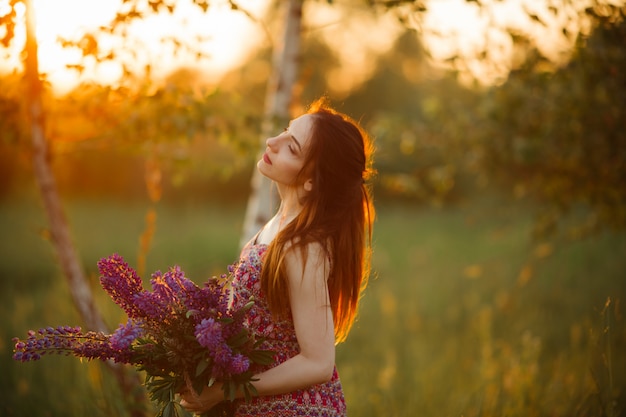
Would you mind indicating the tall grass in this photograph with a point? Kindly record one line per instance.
(465, 316)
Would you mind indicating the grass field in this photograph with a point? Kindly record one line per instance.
(465, 316)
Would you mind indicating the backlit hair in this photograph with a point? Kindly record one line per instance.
(337, 214)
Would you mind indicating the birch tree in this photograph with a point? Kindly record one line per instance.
(263, 199)
(61, 236)
(66, 252)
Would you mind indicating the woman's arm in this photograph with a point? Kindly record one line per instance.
(313, 322)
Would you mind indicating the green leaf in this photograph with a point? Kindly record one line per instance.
(252, 389)
(178, 409)
(249, 391)
(246, 394)
(239, 339)
(198, 385)
(160, 389)
(202, 366)
(262, 357)
(230, 389)
(167, 410)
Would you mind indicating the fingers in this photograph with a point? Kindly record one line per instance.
(193, 406)
(198, 403)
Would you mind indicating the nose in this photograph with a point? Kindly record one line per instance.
(271, 143)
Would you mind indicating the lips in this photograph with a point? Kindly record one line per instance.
(267, 159)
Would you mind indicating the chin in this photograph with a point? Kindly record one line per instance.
(260, 166)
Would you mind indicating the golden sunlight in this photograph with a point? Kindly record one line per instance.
(224, 35)
(357, 37)
(457, 28)
(476, 35)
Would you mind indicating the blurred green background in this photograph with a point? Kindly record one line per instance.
(499, 265)
(464, 315)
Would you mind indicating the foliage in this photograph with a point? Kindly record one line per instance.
(8, 22)
(477, 322)
(554, 137)
(558, 137)
(164, 121)
(451, 319)
(184, 337)
(12, 119)
(111, 42)
(187, 133)
(550, 136)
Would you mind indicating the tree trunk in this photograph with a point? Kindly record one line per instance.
(263, 199)
(63, 245)
(62, 242)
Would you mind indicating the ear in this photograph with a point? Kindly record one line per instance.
(308, 185)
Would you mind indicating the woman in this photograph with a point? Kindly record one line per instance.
(306, 267)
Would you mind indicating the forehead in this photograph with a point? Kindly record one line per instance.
(301, 128)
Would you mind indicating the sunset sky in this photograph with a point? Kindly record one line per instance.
(228, 36)
(451, 27)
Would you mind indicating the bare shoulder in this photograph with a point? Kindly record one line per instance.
(308, 260)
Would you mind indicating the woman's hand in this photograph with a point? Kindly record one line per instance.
(199, 403)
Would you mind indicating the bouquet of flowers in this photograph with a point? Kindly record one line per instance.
(183, 336)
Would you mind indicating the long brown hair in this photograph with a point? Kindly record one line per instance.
(337, 213)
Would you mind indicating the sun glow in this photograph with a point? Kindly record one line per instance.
(357, 35)
(477, 35)
(462, 29)
(473, 38)
(223, 36)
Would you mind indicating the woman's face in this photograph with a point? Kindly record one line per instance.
(285, 154)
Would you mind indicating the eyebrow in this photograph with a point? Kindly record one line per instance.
(295, 140)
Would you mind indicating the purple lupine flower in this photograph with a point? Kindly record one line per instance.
(96, 345)
(209, 334)
(176, 280)
(234, 327)
(173, 288)
(239, 364)
(222, 360)
(59, 340)
(206, 304)
(165, 318)
(63, 340)
(210, 300)
(153, 308)
(161, 289)
(121, 282)
(125, 335)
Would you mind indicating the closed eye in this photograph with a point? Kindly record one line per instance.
(293, 140)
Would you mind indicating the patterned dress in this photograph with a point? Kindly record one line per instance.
(322, 400)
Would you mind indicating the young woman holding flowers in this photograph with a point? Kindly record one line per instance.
(307, 267)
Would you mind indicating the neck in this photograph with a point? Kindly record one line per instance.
(287, 211)
(283, 216)
(289, 203)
